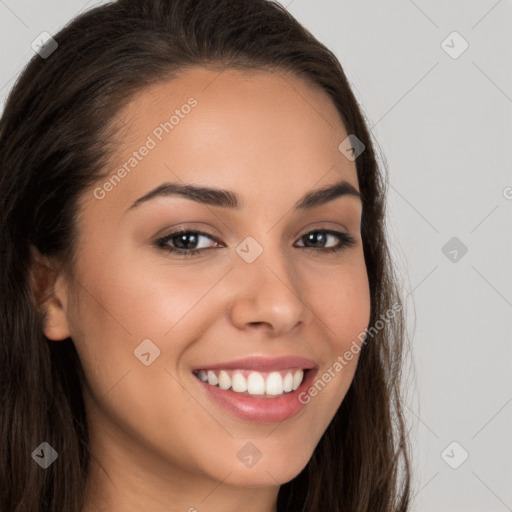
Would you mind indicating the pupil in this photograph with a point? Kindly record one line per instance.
(317, 235)
(182, 238)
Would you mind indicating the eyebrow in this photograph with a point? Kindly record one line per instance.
(228, 199)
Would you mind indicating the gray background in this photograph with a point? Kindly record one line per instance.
(443, 126)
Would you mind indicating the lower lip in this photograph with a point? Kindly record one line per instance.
(262, 410)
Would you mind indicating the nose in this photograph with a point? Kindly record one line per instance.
(268, 295)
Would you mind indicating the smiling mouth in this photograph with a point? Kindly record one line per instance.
(254, 383)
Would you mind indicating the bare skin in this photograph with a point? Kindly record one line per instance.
(158, 443)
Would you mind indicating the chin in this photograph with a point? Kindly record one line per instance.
(272, 471)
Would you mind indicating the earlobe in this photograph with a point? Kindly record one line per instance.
(49, 296)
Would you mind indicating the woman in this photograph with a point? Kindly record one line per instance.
(175, 335)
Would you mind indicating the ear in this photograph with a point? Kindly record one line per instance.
(49, 292)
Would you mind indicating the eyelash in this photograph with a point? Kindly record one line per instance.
(346, 241)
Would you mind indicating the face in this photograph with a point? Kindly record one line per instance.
(263, 281)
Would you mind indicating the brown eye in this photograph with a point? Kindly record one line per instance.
(182, 240)
(322, 236)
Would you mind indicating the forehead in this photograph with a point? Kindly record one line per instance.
(249, 131)
(236, 90)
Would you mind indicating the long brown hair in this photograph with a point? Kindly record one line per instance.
(56, 134)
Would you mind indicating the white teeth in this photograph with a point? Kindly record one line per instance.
(238, 382)
(297, 379)
(255, 384)
(224, 380)
(274, 384)
(212, 378)
(270, 384)
(288, 382)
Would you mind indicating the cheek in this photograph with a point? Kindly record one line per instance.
(137, 299)
(340, 298)
(123, 301)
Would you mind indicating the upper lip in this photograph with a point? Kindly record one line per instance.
(259, 363)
